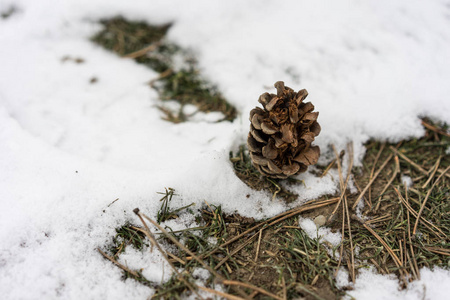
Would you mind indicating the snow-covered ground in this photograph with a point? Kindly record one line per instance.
(68, 148)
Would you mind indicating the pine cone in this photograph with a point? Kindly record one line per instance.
(281, 134)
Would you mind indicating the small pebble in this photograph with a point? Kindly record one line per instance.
(320, 220)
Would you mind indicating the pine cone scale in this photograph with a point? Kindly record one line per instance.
(281, 133)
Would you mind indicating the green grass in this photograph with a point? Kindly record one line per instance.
(127, 235)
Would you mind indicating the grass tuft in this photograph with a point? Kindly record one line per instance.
(127, 235)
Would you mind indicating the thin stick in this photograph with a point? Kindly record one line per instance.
(325, 172)
(386, 246)
(150, 236)
(371, 181)
(427, 223)
(143, 51)
(417, 273)
(173, 256)
(435, 129)
(435, 168)
(351, 240)
(239, 248)
(422, 170)
(251, 286)
(438, 250)
(377, 265)
(221, 294)
(179, 245)
(343, 186)
(373, 169)
(258, 246)
(308, 206)
(396, 170)
(440, 171)
(303, 209)
(162, 75)
(426, 199)
(117, 263)
(341, 251)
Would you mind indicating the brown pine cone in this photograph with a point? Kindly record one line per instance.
(281, 134)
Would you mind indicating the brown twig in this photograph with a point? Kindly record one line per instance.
(417, 272)
(179, 245)
(162, 75)
(385, 245)
(343, 186)
(239, 248)
(117, 263)
(404, 157)
(221, 294)
(427, 223)
(438, 250)
(396, 171)
(371, 181)
(258, 246)
(143, 51)
(435, 129)
(154, 242)
(435, 168)
(274, 220)
(373, 170)
(352, 255)
(251, 286)
(426, 199)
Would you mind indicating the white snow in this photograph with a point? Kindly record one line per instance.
(68, 148)
(407, 181)
(322, 233)
(370, 285)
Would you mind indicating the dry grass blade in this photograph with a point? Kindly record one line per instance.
(438, 250)
(385, 245)
(150, 236)
(343, 186)
(373, 169)
(117, 263)
(427, 223)
(352, 254)
(251, 286)
(416, 268)
(179, 245)
(221, 294)
(290, 213)
(404, 157)
(258, 246)
(371, 181)
(426, 199)
(435, 168)
(435, 129)
(396, 171)
(419, 168)
(239, 248)
(143, 51)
